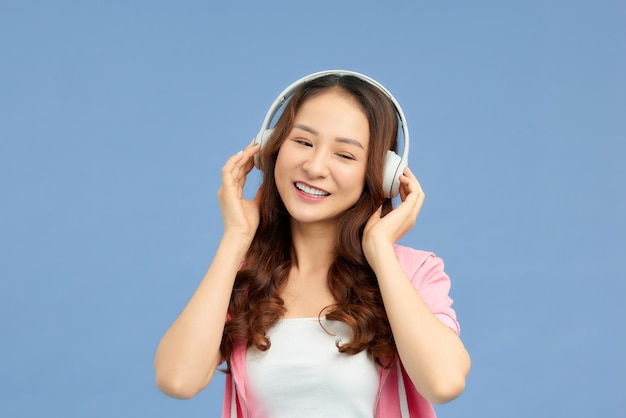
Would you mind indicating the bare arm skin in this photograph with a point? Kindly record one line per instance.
(188, 354)
(432, 354)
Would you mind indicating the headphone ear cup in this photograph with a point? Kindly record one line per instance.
(262, 138)
(391, 174)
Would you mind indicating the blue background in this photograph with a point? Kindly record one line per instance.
(116, 117)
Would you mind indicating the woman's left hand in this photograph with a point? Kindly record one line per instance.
(385, 231)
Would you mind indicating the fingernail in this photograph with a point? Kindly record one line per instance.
(239, 152)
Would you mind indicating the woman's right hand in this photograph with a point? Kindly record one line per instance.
(189, 352)
(240, 216)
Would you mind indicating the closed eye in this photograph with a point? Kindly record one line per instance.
(346, 156)
(303, 142)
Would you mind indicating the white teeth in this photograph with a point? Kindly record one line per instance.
(310, 190)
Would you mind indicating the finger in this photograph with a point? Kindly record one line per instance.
(236, 169)
(408, 185)
(415, 195)
(246, 164)
(410, 182)
(227, 175)
(227, 169)
(249, 153)
(232, 173)
(413, 198)
(250, 150)
(414, 178)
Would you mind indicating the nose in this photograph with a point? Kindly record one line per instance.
(316, 164)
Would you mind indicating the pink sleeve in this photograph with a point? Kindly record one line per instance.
(426, 272)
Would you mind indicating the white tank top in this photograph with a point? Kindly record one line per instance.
(304, 375)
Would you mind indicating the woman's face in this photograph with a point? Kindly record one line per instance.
(320, 169)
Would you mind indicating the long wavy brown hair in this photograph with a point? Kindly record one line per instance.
(255, 304)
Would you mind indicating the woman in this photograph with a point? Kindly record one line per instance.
(325, 314)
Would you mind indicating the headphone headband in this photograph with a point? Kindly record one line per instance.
(398, 163)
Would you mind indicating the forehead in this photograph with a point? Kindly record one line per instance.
(334, 101)
(336, 92)
(334, 113)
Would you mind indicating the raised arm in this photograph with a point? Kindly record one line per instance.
(432, 353)
(188, 354)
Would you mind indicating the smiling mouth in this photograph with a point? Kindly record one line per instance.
(311, 191)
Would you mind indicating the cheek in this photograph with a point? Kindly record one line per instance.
(355, 179)
(281, 172)
(280, 162)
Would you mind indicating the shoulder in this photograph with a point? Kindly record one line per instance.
(414, 261)
(411, 254)
(427, 275)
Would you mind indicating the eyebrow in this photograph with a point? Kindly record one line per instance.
(339, 139)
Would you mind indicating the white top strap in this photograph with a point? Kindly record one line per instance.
(404, 404)
(233, 399)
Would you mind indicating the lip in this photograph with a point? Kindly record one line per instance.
(308, 196)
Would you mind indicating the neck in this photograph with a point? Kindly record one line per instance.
(314, 246)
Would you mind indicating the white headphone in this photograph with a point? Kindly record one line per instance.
(394, 164)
